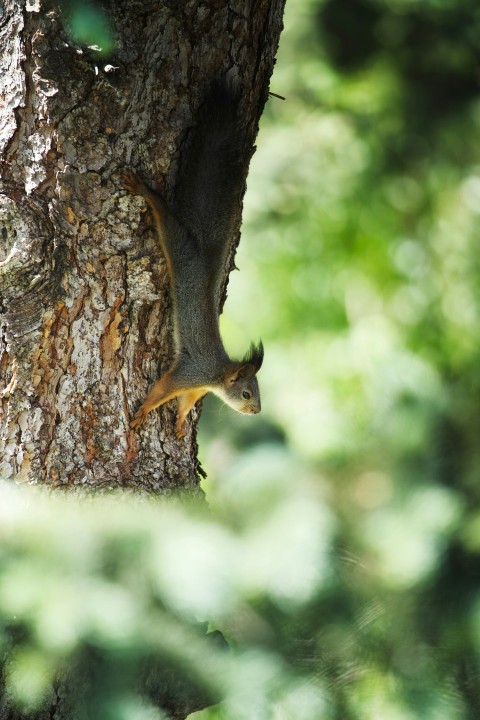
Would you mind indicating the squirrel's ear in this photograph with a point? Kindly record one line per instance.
(241, 373)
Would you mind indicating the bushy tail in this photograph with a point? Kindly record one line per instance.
(212, 171)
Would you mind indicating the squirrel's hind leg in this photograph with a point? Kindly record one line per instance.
(135, 186)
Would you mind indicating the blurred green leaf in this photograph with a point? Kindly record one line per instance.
(90, 26)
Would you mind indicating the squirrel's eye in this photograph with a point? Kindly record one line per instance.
(246, 395)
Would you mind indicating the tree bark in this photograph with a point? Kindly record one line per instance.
(85, 324)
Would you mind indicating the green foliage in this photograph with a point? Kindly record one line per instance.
(360, 272)
(104, 591)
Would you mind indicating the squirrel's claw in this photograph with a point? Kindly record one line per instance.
(139, 419)
(130, 182)
(180, 431)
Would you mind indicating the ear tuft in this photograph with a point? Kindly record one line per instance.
(254, 356)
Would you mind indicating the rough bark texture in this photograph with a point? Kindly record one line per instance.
(85, 324)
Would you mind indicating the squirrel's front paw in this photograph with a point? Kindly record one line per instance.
(139, 419)
(180, 431)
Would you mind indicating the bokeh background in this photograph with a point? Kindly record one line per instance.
(340, 554)
(360, 269)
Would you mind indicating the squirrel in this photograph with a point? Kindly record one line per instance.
(195, 233)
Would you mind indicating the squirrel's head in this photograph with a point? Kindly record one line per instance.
(240, 385)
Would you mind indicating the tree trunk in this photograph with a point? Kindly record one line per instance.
(86, 320)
